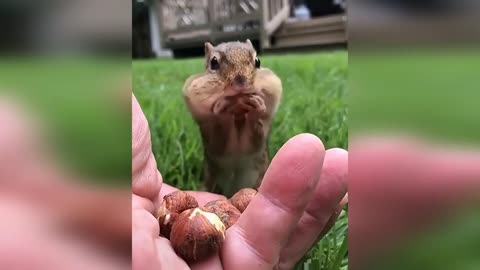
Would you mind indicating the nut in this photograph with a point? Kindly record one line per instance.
(197, 234)
(227, 213)
(242, 198)
(173, 204)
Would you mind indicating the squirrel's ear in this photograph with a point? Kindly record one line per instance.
(208, 48)
(249, 42)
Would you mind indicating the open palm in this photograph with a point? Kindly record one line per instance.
(297, 203)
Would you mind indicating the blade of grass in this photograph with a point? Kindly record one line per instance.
(342, 251)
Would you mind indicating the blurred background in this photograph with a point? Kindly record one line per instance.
(413, 113)
(303, 42)
(414, 110)
(181, 27)
(65, 136)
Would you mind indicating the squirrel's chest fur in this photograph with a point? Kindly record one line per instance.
(235, 151)
(233, 135)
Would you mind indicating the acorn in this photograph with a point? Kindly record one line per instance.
(197, 234)
(242, 198)
(173, 204)
(227, 213)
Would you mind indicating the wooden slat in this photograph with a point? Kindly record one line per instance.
(210, 12)
(310, 30)
(186, 29)
(311, 39)
(248, 33)
(240, 18)
(189, 34)
(264, 38)
(293, 25)
(272, 26)
(271, 12)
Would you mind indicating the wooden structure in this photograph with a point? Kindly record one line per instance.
(317, 31)
(185, 24)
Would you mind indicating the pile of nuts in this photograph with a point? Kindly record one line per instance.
(197, 232)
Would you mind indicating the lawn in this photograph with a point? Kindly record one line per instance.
(314, 101)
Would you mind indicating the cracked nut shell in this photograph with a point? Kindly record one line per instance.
(197, 234)
(242, 198)
(227, 213)
(173, 204)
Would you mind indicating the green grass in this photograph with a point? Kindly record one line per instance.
(432, 93)
(77, 103)
(314, 101)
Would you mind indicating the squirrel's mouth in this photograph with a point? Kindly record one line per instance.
(240, 88)
(236, 90)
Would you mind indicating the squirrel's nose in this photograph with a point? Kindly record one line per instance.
(240, 82)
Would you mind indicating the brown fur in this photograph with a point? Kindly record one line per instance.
(234, 125)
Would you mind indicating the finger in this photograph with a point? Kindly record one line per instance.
(143, 221)
(423, 181)
(255, 241)
(334, 217)
(144, 230)
(146, 180)
(30, 239)
(149, 251)
(167, 257)
(212, 263)
(142, 203)
(330, 190)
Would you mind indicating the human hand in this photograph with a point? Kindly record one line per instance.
(51, 217)
(403, 187)
(297, 203)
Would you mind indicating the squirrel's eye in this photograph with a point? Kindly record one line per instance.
(257, 62)
(214, 63)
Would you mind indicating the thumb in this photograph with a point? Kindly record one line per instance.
(264, 227)
(146, 179)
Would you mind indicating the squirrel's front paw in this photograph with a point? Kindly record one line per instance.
(220, 106)
(257, 103)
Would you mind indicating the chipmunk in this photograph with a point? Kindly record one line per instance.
(233, 102)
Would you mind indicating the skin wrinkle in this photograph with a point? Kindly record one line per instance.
(140, 157)
(333, 218)
(140, 139)
(141, 202)
(236, 229)
(318, 213)
(306, 220)
(310, 219)
(331, 178)
(165, 261)
(299, 169)
(140, 135)
(145, 221)
(141, 257)
(286, 212)
(147, 181)
(212, 263)
(323, 197)
(276, 203)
